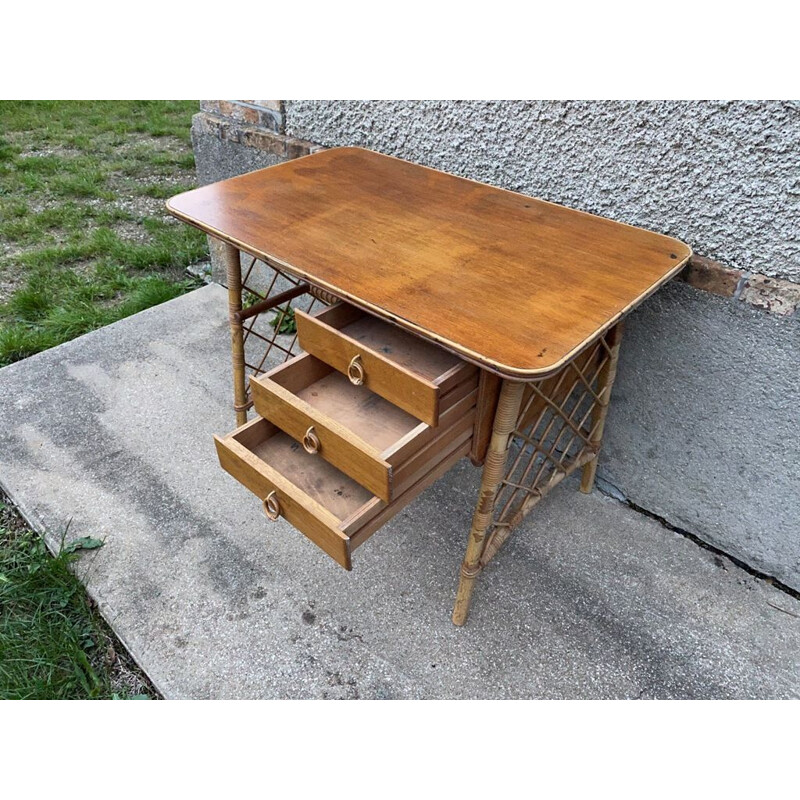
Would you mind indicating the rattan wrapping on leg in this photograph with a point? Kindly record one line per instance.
(559, 429)
(323, 296)
(257, 342)
(505, 417)
(234, 276)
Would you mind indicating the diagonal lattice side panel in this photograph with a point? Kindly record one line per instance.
(270, 335)
(557, 431)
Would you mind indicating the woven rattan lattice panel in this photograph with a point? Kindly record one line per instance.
(559, 429)
(269, 300)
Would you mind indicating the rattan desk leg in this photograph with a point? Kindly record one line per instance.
(555, 427)
(600, 411)
(234, 275)
(504, 422)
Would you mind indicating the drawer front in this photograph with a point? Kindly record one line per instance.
(362, 434)
(364, 360)
(300, 510)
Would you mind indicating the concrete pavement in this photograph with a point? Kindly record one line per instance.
(112, 433)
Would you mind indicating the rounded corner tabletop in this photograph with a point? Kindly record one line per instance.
(515, 284)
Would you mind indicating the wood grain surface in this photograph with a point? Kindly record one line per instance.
(510, 282)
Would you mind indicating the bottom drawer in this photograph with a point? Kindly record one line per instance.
(331, 509)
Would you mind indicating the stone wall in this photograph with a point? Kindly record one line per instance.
(703, 427)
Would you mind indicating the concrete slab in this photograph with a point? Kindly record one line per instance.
(588, 600)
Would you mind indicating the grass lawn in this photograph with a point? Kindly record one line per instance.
(84, 241)
(84, 238)
(53, 643)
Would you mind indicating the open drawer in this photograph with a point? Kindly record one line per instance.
(410, 372)
(362, 434)
(331, 509)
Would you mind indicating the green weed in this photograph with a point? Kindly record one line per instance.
(52, 643)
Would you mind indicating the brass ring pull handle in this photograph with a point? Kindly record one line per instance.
(311, 441)
(355, 371)
(272, 508)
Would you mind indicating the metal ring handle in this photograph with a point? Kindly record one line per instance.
(272, 508)
(355, 371)
(311, 441)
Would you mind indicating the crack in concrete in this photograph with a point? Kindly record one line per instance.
(609, 490)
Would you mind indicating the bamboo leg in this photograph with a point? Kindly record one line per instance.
(504, 421)
(234, 273)
(605, 382)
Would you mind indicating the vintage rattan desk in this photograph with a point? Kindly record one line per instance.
(440, 318)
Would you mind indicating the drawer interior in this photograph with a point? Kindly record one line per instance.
(306, 390)
(331, 509)
(315, 477)
(376, 421)
(411, 373)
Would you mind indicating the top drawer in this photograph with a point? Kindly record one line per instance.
(400, 367)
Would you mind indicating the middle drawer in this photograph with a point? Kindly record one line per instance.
(356, 430)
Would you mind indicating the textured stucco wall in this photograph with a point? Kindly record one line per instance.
(704, 424)
(224, 147)
(723, 177)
